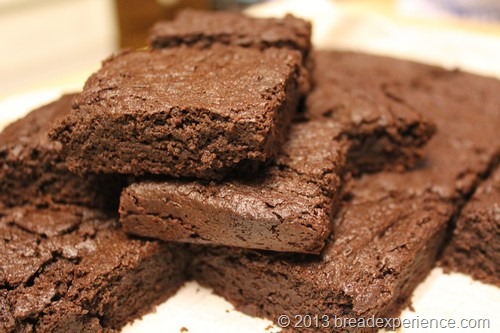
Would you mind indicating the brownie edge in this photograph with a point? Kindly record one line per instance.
(183, 112)
(474, 248)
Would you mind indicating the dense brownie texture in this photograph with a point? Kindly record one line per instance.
(385, 132)
(391, 226)
(475, 246)
(203, 29)
(32, 170)
(71, 269)
(286, 207)
(183, 112)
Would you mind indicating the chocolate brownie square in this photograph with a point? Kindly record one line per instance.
(385, 132)
(32, 170)
(474, 248)
(202, 29)
(285, 207)
(391, 226)
(384, 243)
(71, 269)
(183, 112)
(228, 214)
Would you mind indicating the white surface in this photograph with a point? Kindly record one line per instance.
(440, 296)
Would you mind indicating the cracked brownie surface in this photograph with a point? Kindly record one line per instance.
(183, 112)
(285, 207)
(71, 269)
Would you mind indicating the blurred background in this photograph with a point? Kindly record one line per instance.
(49, 43)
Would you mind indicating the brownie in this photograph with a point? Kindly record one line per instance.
(385, 132)
(183, 112)
(384, 244)
(285, 207)
(391, 226)
(200, 213)
(465, 108)
(475, 246)
(32, 170)
(202, 29)
(71, 269)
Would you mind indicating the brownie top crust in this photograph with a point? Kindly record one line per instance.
(357, 96)
(34, 238)
(191, 26)
(487, 195)
(71, 267)
(237, 83)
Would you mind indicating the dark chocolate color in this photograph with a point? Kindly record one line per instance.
(71, 269)
(286, 207)
(202, 29)
(384, 131)
(32, 170)
(183, 112)
(384, 243)
(202, 213)
(391, 226)
(475, 245)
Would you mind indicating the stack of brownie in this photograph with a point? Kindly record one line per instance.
(290, 181)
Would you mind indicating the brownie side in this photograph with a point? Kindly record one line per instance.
(380, 250)
(385, 132)
(32, 170)
(202, 29)
(386, 238)
(474, 248)
(285, 207)
(392, 225)
(68, 269)
(183, 112)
